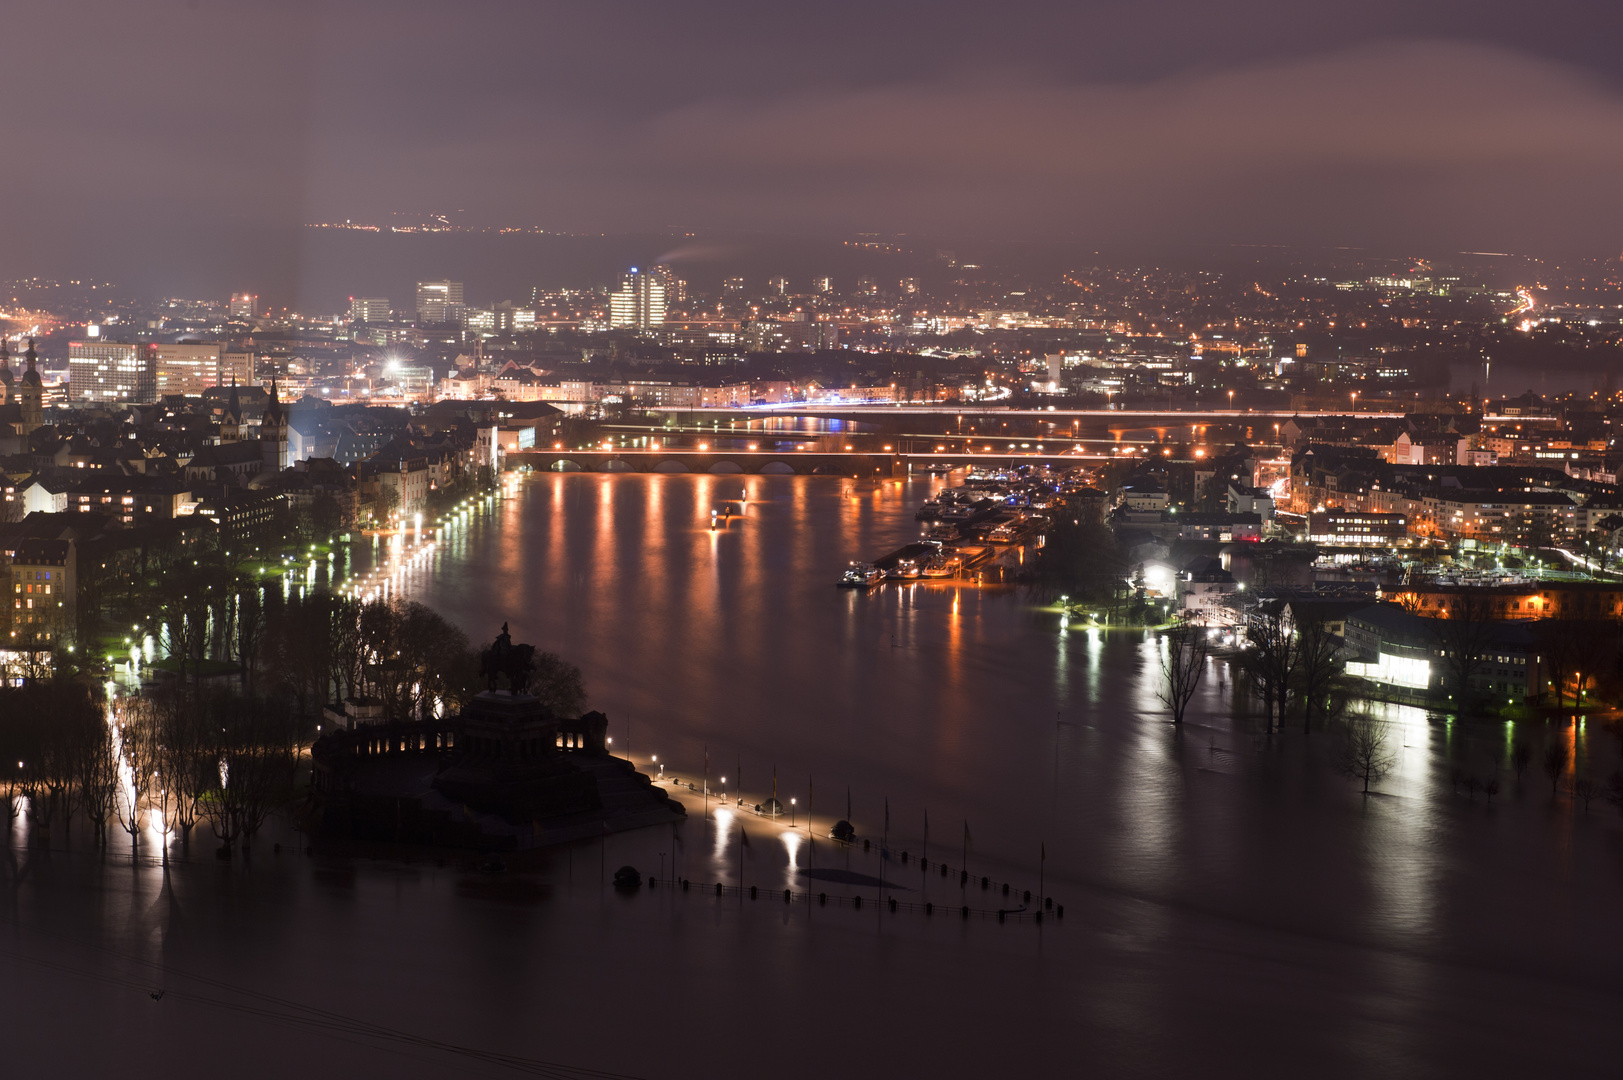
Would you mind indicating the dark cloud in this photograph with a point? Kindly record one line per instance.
(176, 134)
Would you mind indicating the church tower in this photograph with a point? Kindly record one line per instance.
(31, 394)
(273, 434)
(231, 422)
(8, 381)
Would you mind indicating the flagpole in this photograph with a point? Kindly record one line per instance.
(965, 866)
(924, 860)
(1042, 867)
(884, 849)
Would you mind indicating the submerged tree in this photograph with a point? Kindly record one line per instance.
(1270, 659)
(1363, 753)
(1183, 666)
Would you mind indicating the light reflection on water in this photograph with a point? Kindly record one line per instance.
(1224, 889)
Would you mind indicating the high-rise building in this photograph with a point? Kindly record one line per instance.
(823, 284)
(867, 286)
(640, 301)
(439, 301)
(186, 369)
(910, 286)
(369, 309)
(778, 286)
(733, 286)
(236, 365)
(244, 305)
(108, 372)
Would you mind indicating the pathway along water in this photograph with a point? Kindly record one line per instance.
(1231, 902)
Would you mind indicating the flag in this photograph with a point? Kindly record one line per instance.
(744, 838)
(927, 826)
(967, 838)
(1045, 852)
(887, 815)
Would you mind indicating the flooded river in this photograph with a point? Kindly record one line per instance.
(1232, 903)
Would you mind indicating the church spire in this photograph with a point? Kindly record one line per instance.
(30, 376)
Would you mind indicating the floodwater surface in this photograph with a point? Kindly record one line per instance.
(1232, 903)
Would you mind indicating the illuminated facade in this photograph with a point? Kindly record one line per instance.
(369, 309)
(186, 369)
(439, 301)
(640, 302)
(110, 372)
(1351, 528)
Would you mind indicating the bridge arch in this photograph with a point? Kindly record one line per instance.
(565, 465)
(726, 468)
(615, 465)
(671, 465)
(777, 468)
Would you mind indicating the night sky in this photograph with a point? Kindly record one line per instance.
(193, 132)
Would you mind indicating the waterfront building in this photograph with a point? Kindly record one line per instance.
(1406, 652)
(1352, 528)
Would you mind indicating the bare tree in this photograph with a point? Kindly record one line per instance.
(1585, 788)
(1363, 753)
(250, 762)
(182, 751)
(138, 753)
(1317, 665)
(98, 779)
(1270, 658)
(1183, 665)
(1556, 756)
(1521, 755)
(1614, 790)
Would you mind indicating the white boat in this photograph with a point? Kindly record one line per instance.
(860, 576)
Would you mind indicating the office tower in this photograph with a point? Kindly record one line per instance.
(823, 284)
(676, 290)
(778, 286)
(236, 366)
(867, 286)
(186, 369)
(733, 286)
(244, 305)
(439, 301)
(369, 309)
(640, 302)
(110, 372)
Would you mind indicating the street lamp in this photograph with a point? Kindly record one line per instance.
(791, 812)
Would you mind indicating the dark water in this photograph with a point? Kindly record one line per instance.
(1232, 904)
